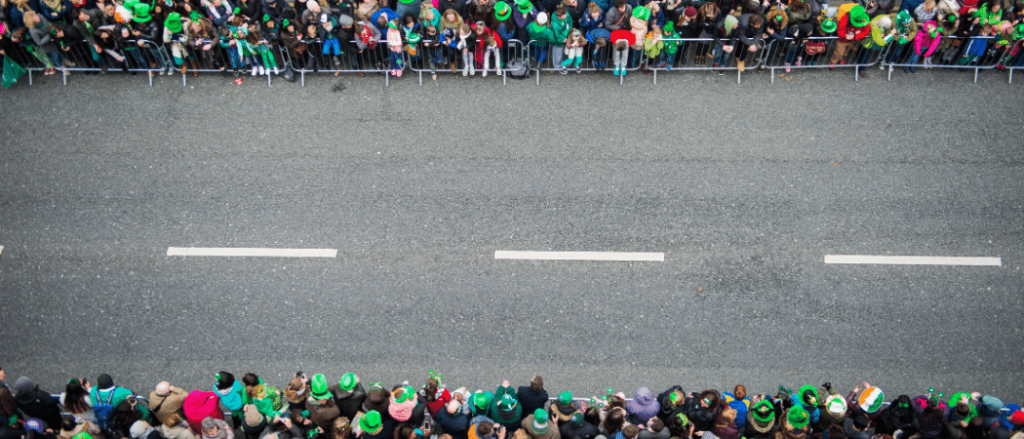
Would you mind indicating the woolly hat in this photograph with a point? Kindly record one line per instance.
(524, 6)
(479, 404)
(540, 423)
(990, 412)
(377, 398)
(798, 417)
(253, 417)
(809, 396)
(502, 11)
(208, 424)
(392, 24)
(401, 404)
(835, 404)
(643, 405)
(138, 429)
(642, 13)
(565, 398)
(831, 12)
(508, 407)
(542, 18)
(318, 387)
(828, 26)
(24, 385)
(142, 13)
(576, 420)
(345, 20)
(690, 11)
(370, 423)
(105, 381)
(730, 23)
(870, 400)
(668, 28)
(173, 24)
(858, 17)
(36, 425)
(82, 435)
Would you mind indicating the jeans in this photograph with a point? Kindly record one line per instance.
(669, 58)
(539, 53)
(332, 43)
(634, 57)
(600, 56)
(556, 55)
(864, 55)
(720, 56)
(912, 59)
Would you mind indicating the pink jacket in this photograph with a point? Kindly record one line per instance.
(925, 39)
(394, 40)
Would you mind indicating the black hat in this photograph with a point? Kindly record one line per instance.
(225, 380)
(105, 381)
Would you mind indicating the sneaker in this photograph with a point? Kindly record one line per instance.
(662, 65)
(263, 71)
(721, 73)
(740, 65)
(254, 71)
(465, 72)
(799, 61)
(276, 71)
(564, 71)
(842, 62)
(913, 70)
(399, 73)
(788, 68)
(500, 73)
(472, 71)
(906, 70)
(578, 69)
(622, 72)
(69, 63)
(832, 66)
(616, 71)
(714, 67)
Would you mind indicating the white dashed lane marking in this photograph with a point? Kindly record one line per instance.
(253, 252)
(580, 256)
(912, 260)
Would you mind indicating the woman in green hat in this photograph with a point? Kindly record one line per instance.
(176, 35)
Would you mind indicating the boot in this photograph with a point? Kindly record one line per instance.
(195, 68)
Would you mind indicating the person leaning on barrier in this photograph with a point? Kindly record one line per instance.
(853, 27)
(70, 427)
(165, 400)
(36, 403)
(749, 35)
(454, 419)
(173, 427)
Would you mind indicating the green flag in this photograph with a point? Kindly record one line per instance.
(12, 71)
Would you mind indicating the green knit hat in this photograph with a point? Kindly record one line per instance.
(392, 24)
(540, 421)
(858, 17)
(669, 28)
(348, 381)
(82, 435)
(370, 422)
(502, 11)
(763, 411)
(829, 26)
(141, 13)
(809, 396)
(318, 387)
(524, 6)
(798, 417)
(576, 420)
(642, 13)
(565, 398)
(903, 19)
(173, 22)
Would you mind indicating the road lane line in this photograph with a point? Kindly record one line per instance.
(253, 252)
(912, 260)
(580, 256)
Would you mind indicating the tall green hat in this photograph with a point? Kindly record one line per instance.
(565, 398)
(669, 28)
(173, 22)
(798, 417)
(642, 13)
(524, 6)
(348, 381)
(370, 422)
(829, 26)
(858, 16)
(809, 396)
(507, 403)
(502, 11)
(480, 401)
(82, 435)
(318, 387)
(141, 13)
(763, 411)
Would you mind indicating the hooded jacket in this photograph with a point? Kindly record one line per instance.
(348, 403)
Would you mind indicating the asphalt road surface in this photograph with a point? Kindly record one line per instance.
(745, 189)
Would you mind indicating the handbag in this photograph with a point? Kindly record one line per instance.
(814, 48)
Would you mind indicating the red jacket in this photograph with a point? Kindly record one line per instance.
(622, 34)
(442, 401)
(858, 32)
(481, 46)
(198, 405)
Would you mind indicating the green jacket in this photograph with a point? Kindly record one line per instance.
(879, 35)
(561, 29)
(542, 34)
(670, 46)
(120, 394)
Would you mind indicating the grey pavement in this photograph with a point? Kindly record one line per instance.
(745, 188)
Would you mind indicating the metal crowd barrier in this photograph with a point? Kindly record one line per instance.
(428, 58)
(697, 54)
(779, 53)
(950, 58)
(375, 60)
(590, 59)
(1015, 59)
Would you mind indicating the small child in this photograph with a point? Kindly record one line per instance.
(227, 43)
(599, 38)
(488, 43)
(653, 47)
(928, 40)
(573, 50)
(668, 34)
(467, 45)
(432, 45)
(394, 38)
(263, 50)
(977, 46)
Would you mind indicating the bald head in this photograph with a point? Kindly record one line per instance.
(164, 388)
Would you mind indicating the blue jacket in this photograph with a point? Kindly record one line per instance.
(456, 425)
(506, 32)
(977, 46)
(600, 32)
(740, 406)
(391, 15)
(588, 23)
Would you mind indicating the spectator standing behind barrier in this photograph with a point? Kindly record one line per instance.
(534, 396)
(75, 400)
(36, 403)
(453, 420)
(853, 27)
(561, 24)
(173, 427)
(737, 399)
(622, 39)
(505, 408)
(541, 36)
(165, 400)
